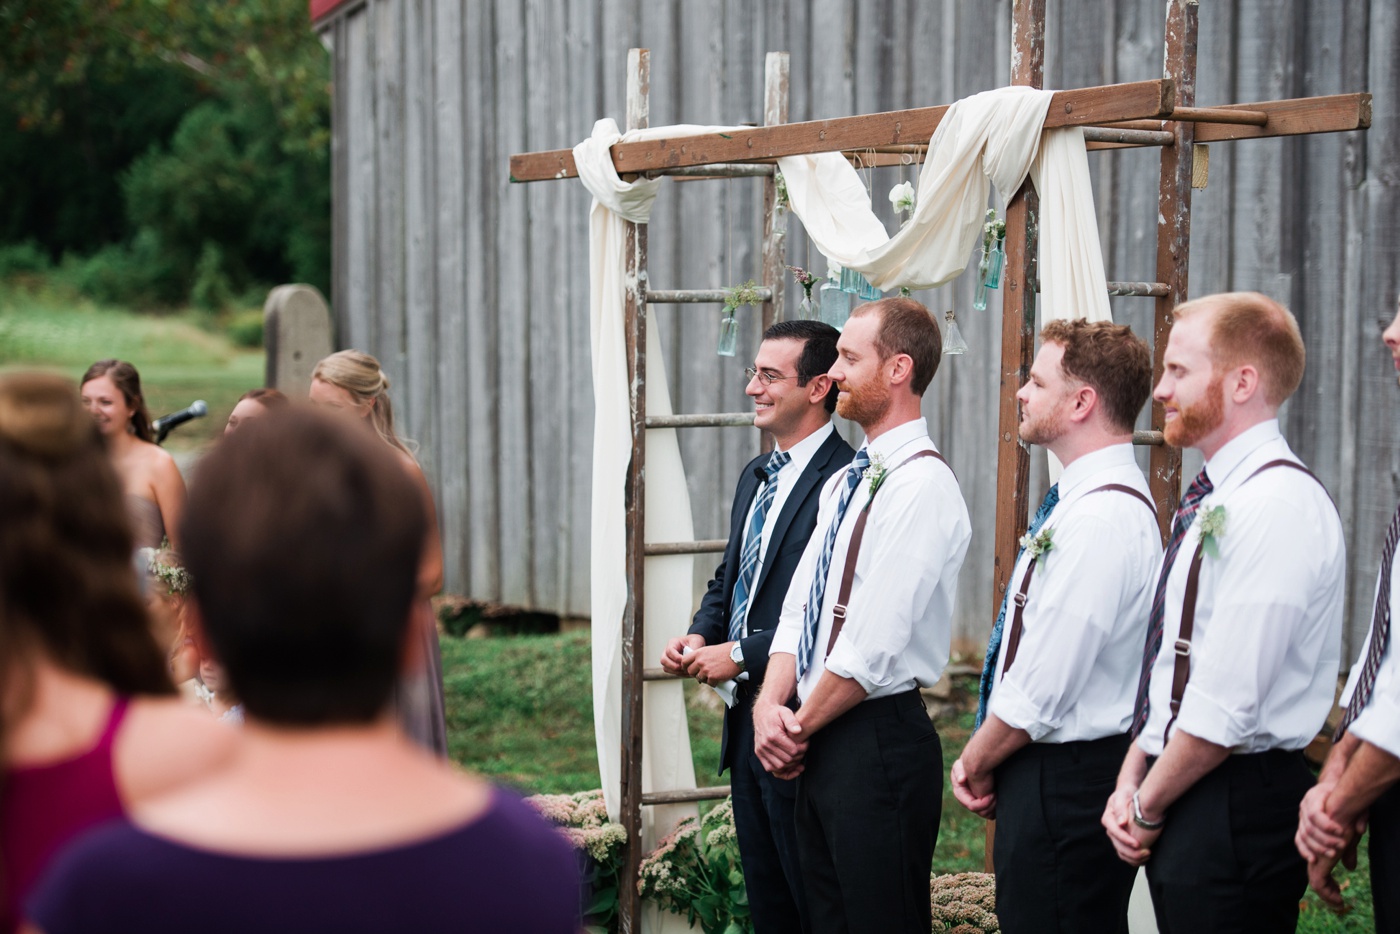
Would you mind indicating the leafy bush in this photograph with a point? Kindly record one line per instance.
(695, 872)
(19, 258)
(584, 819)
(135, 274)
(245, 329)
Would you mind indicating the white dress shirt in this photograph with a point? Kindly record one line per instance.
(1379, 721)
(801, 455)
(1267, 641)
(899, 619)
(1085, 620)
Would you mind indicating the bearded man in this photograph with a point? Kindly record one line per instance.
(866, 622)
(1244, 636)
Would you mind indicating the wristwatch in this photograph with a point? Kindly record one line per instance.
(736, 655)
(1143, 822)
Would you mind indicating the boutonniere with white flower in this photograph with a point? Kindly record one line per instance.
(902, 197)
(1210, 529)
(875, 474)
(1037, 545)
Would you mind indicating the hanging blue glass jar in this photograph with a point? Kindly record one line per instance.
(835, 304)
(728, 334)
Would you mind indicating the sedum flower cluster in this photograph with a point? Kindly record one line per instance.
(583, 817)
(964, 903)
(694, 871)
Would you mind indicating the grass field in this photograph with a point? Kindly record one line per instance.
(180, 355)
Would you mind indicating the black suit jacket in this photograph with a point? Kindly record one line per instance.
(793, 526)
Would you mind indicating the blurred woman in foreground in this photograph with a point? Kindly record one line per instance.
(88, 723)
(304, 539)
(351, 383)
(155, 491)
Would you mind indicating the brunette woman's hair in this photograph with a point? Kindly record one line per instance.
(267, 398)
(68, 587)
(125, 377)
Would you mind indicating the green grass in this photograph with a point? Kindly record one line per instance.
(179, 355)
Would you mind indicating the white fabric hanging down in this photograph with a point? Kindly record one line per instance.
(997, 137)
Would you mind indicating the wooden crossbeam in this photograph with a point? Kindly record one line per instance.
(1133, 101)
(1302, 115)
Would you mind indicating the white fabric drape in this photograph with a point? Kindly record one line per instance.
(666, 763)
(996, 137)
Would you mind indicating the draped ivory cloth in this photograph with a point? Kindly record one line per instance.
(995, 137)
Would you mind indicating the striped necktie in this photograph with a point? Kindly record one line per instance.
(1380, 631)
(1200, 488)
(989, 661)
(753, 538)
(807, 640)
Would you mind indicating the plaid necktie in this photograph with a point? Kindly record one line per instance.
(807, 641)
(753, 538)
(1200, 488)
(989, 661)
(1380, 632)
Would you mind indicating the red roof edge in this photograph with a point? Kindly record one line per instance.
(320, 9)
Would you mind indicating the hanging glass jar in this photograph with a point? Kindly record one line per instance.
(728, 333)
(953, 341)
(835, 303)
(992, 259)
(807, 309)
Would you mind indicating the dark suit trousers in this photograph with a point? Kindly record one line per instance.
(1384, 847)
(868, 804)
(765, 823)
(1226, 861)
(1056, 869)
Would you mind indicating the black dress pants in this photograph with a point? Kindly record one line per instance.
(1226, 861)
(1056, 868)
(766, 825)
(868, 804)
(1384, 848)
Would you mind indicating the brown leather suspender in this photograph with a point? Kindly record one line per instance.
(848, 575)
(1181, 672)
(1013, 639)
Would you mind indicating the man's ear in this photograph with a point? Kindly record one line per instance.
(901, 368)
(1243, 383)
(1086, 401)
(817, 389)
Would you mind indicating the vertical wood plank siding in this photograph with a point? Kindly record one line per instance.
(474, 291)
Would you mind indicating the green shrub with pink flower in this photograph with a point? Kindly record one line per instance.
(694, 871)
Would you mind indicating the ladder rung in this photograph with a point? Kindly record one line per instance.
(1098, 134)
(690, 794)
(1147, 289)
(1153, 438)
(697, 296)
(706, 546)
(658, 674)
(717, 420)
(1220, 115)
(718, 170)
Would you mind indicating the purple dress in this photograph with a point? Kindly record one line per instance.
(506, 870)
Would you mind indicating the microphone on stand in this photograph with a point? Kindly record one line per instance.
(161, 426)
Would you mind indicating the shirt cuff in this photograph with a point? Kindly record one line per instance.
(845, 662)
(1016, 710)
(1204, 718)
(1379, 724)
(784, 642)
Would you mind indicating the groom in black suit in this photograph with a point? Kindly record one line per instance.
(774, 512)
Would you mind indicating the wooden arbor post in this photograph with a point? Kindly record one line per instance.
(633, 631)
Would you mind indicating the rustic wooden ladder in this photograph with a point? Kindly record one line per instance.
(1159, 113)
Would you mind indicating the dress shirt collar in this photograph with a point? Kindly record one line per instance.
(890, 444)
(1234, 451)
(802, 451)
(1084, 467)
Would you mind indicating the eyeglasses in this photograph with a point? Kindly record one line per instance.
(765, 377)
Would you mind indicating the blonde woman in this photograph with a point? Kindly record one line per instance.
(351, 382)
(155, 491)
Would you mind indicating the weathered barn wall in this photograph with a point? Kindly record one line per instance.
(473, 291)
